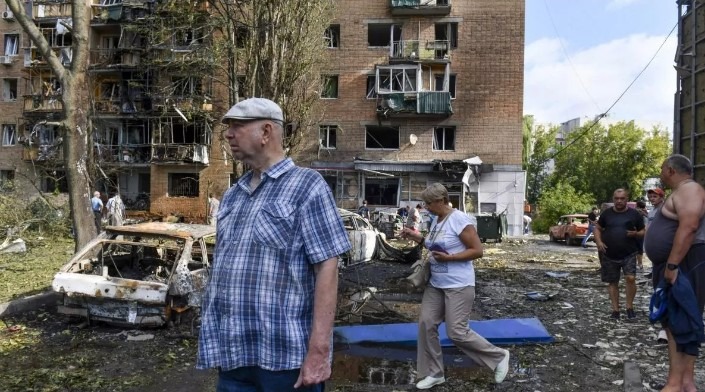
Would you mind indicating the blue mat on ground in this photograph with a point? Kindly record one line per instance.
(500, 332)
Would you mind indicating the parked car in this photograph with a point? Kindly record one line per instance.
(141, 275)
(570, 228)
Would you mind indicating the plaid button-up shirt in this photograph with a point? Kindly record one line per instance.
(258, 305)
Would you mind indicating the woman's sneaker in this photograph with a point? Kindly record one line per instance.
(430, 382)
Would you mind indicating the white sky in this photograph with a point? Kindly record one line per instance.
(605, 44)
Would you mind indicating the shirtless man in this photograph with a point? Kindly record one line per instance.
(675, 244)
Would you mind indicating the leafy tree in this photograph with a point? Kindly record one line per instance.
(75, 123)
(560, 199)
(598, 159)
(543, 144)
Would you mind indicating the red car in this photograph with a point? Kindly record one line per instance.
(570, 228)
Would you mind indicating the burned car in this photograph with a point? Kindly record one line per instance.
(146, 274)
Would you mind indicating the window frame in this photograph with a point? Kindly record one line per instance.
(9, 89)
(444, 138)
(193, 178)
(381, 129)
(6, 141)
(16, 45)
(325, 80)
(331, 36)
(325, 143)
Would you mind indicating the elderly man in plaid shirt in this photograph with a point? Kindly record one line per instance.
(269, 307)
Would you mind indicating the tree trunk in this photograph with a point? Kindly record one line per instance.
(75, 144)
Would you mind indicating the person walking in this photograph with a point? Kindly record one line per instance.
(116, 210)
(616, 234)
(269, 306)
(97, 207)
(675, 244)
(592, 221)
(413, 218)
(213, 205)
(454, 244)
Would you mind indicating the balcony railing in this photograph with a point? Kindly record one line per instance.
(114, 58)
(420, 7)
(152, 153)
(43, 153)
(427, 103)
(42, 103)
(420, 50)
(51, 9)
(32, 57)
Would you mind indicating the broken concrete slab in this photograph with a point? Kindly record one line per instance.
(16, 246)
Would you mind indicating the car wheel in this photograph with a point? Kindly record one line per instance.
(568, 240)
(551, 237)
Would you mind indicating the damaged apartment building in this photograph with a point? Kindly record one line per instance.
(150, 87)
(423, 91)
(414, 92)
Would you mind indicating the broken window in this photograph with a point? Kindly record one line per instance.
(55, 182)
(440, 85)
(9, 134)
(6, 176)
(186, 86)
(371, 89)
(397, 79)
(241, 36)
(332, 36)
(382, 34)
(382, 191)
(447, 32)
(327, 136)
(329, 87)
(9, 90)
(46, 135)
(183, 184)
(12, 44)
(110, 2)
(444, 138)
(381, 138)
(134, 134)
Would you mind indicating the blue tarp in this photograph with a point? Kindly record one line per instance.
(500, 332)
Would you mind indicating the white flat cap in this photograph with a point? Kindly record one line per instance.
(255, 109)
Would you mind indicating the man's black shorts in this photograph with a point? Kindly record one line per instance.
(611, 269)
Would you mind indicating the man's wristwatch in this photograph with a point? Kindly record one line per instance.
(671, 267)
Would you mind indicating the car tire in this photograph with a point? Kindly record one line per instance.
(568, 240)
(552, 238)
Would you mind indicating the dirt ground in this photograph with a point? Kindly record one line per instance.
(41, 351)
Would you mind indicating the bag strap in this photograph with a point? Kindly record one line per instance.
(437, 229)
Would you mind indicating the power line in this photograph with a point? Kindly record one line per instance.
(603, 115)
(565, 53)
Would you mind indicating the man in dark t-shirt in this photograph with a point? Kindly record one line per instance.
(617, 232)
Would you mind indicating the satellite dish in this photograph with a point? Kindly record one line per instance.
(412, 139)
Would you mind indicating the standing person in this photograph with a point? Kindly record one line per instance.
(616, 234)
(213, 205)
(592, 221)
(364, 211)
(97, 206)
(116, 210)
(656, 197)
(269, 306)
(675, 244)
(413, 220)
(403, 212)
(641, 209)
(454, 244)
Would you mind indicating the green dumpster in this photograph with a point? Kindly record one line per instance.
(491, 227)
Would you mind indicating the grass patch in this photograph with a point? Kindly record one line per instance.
(23, 274)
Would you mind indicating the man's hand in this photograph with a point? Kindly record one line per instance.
(632, 233)
(601, 247)
(670, 275)
(315, 370)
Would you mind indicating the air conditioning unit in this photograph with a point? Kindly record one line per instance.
(8, 15)
(7, 60)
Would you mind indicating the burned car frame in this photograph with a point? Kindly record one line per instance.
(140, 275)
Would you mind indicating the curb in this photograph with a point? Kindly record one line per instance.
(26, 304)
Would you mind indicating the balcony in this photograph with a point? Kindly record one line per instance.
(43, 153)
(32, 57)
(180, 153)
(115, 58)
(123, 153)
(419, 7)
(49, 9)
(420, 103)
(136, 154)
(39, 103)
(415, 50)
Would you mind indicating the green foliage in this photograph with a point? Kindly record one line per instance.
(543, 144)
(602, 159)
(561, 199)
